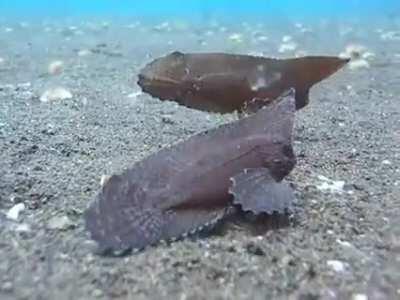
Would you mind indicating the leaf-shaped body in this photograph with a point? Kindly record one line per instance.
(223, 83)
(186, 186)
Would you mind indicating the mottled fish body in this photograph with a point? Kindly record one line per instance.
(192, 183)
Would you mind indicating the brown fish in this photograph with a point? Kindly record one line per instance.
(193, 183)
(223, 83)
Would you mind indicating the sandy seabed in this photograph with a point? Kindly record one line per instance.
(344, 239)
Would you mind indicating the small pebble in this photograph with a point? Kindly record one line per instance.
(386, 162)
(360, 297)
(286, 38)
(97, 293)
(358, 64)
(134, 95)
(84, 52)
(168, 119)
(353, 51)
(344, 243)
(7, 287)
(14, 211)
(391, 36)
(336, 265)
(262, 38)
(103, 179)
(287, 47)
(60, 223)
(22, 228)
(330, 185)
(236, 38)
(53, 94)
(56, 67)
(1, 60)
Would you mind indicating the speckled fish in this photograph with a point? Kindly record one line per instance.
(191, 184)
(218, 82)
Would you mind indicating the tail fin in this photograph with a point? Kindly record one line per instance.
(307, 71)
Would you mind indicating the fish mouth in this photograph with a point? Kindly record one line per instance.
(156, 82)
(159, 87)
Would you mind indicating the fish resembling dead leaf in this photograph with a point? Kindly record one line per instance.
(192, 184)
(223, 83)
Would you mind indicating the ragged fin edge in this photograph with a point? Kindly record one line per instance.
(121, 225)
(256, 191)
(107, 251)
(284, 106)
(206, 226)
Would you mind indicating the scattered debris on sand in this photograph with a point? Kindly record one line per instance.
(13, 213)
(288, 45)
(54, 94)
(236, 38)
(55, 67)
(336, 265)
(84, 52)
(359, 56)
(60, 223)
(329, 185)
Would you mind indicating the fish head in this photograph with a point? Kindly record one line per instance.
(163, 74)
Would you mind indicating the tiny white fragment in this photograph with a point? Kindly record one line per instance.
(368, 55)
(23, 228)
(53, 94)
(55, 67)
(336, 265)
(359, 56)
(353, 51)
(14, 211)
(390, 36)
(60, 223)
(360, 297)
(262, 38)
(287, 47)
(104, 179)
(330, 185)
(236, 37)
(386, 162)
(358, 64)
(135, 94)
(286, 38)
(344, 243)
(2, 60)
(84, 52)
